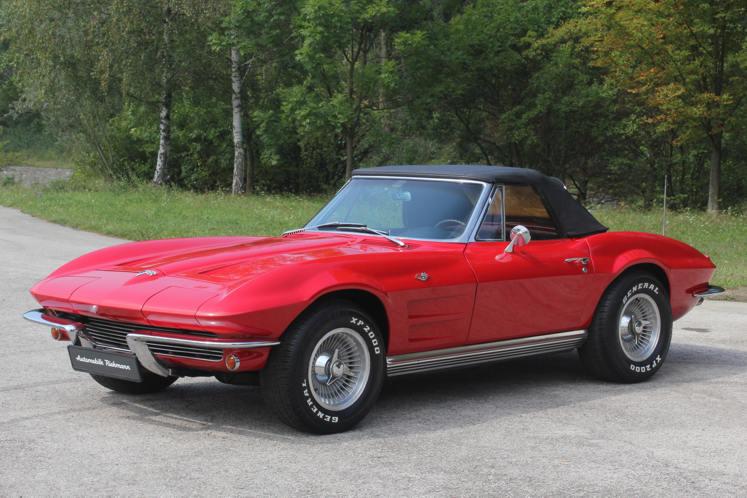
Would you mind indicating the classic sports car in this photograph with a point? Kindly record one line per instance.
(407, 269)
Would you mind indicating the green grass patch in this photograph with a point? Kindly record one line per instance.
(145, 212)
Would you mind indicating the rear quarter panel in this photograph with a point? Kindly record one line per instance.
(686, 269)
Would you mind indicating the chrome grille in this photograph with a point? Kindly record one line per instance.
(113, 335)
(108, 334)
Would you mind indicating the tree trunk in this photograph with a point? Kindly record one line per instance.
(251, 164)
(239, 151)
(348, 152)
(715, 176)
(383, 59)
(164, 125)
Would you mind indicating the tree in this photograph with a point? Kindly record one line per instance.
(344, 75)
(686, 61)
(167, 80)
(519, 95)
(239, 156)
(255, 34)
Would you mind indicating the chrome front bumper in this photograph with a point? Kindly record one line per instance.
(712, 290)
(140, 344)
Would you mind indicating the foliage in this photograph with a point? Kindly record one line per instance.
(608, 96)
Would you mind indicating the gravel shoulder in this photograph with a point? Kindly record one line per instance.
(532, 427)
(32, 176)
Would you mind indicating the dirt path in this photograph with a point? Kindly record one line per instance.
(29, 175)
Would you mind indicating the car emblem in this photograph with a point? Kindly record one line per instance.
(150, 273)
(94, 309)
(422, 276)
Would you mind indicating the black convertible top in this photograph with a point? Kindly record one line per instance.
(572, 218)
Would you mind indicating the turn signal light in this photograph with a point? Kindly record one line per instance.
(233, 362)
(60, 335)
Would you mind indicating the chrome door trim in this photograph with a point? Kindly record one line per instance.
(475, 354)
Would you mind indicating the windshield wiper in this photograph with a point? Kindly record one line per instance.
(331, 224)
(348, 226)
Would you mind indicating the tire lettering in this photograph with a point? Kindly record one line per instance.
(643, 286)
(647, 368)
(315, 409)
(369, 332)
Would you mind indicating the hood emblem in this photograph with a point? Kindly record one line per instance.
(150, 273)
(422, 276)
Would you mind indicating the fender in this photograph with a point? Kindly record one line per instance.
(267, 305)
(684, 267)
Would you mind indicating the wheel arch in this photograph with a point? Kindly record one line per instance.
(368, 301)
(645, 267)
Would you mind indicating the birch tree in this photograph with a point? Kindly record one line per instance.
(239, 150)
(160, 176)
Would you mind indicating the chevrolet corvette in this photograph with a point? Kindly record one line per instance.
(408, 269)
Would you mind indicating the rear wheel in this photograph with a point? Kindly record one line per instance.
(328, 371)
(631, 331)
(151, 383)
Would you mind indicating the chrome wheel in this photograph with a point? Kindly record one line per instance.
(339, 369)
(639, 327)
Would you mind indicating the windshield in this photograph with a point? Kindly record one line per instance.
(421, 209)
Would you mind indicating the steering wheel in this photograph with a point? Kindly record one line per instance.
(451, 225)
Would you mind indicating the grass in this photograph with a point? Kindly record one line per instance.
(144, 212)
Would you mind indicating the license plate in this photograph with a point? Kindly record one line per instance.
(109, 364)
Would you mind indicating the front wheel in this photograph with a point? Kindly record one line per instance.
(328, 371)
(631, 331)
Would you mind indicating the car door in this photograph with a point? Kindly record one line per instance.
(538, 288)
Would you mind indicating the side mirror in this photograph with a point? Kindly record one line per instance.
(520, 236)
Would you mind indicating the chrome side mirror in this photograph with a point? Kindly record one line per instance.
(520, 236)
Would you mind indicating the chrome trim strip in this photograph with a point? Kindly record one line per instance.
(475, 354)
(138, 344)
(69, 326)
(711, 291)
(426, 178)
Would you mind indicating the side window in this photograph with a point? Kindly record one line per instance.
(491, 227)
(525, 207)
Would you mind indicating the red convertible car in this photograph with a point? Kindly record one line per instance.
(407, 269)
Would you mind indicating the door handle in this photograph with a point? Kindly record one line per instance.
(584, 261)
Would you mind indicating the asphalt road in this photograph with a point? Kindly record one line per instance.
(532, 427)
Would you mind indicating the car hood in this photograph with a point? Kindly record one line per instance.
(237, 260)
(148, 279)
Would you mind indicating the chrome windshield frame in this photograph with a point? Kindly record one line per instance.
(464, 237)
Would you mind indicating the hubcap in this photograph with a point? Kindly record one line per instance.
(639, 327)
(339, 369)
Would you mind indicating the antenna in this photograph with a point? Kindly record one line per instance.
(664, 212)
